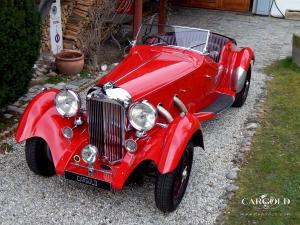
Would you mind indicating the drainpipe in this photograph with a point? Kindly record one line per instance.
(254, 8)
(44, 7)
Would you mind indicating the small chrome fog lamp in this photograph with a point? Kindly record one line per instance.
(89, 154)
(131, 145)
(67, 132)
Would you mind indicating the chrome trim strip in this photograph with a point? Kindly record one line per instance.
(102, 171)
(207, 39)
(135, 69)
(191, 28)
(168, 25)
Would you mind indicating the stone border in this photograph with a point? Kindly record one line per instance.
(8, 133)
(296, 49)
(253, 122)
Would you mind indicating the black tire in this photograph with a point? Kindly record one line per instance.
(241, 97)
(168, 194)
(38, 157)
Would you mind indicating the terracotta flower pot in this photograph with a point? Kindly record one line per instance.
(69, 62)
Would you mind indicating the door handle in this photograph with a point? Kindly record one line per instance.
(208, 76)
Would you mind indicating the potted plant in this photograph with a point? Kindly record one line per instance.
(69, 62)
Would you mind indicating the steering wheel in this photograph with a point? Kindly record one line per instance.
(150, 39)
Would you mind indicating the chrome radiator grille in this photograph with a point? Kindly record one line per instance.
(107, 127)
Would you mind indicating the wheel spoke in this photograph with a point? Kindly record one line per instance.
(181, 178)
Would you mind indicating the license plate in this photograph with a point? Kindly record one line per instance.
(87, 180)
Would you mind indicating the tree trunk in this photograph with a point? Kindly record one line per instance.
(296, 49)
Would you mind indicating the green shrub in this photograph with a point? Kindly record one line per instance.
(19, 47)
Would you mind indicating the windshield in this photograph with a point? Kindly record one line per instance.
(183, 37)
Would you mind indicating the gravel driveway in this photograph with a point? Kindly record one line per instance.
(29, 199)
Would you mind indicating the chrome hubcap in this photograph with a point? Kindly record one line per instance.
(247, 85)
(184, 174)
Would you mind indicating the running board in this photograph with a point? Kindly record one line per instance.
(221, 103)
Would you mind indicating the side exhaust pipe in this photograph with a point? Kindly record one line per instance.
(165, 113)
(180, 104)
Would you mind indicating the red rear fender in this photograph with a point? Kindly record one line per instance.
(242, 64)
(244, 58)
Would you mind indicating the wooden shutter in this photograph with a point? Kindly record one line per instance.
(235, 5)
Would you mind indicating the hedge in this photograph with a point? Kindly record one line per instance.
(20, 36)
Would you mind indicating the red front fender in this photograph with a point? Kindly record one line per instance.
(34, 112)
(41, 119)
(180, 132)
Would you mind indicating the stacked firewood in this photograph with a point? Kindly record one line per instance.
(76, 22)
(100, 26)
(86, 23)
(67, 7)
(46, 35)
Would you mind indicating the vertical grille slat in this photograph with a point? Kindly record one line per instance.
(107, 127)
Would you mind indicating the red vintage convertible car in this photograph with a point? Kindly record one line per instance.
(146, 113)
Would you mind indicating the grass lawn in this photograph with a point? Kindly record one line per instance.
(273, 165)
(64, 78)
(56, 79)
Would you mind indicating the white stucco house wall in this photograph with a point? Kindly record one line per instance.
(284, 5)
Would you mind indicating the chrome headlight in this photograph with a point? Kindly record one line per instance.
(142, 116)
(67, 103)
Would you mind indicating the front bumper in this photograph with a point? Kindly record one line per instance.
(87, 180)
(114, 175)
(101, 175)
